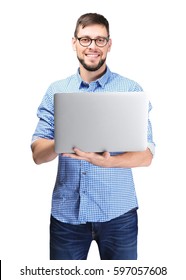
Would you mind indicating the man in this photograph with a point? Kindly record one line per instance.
(94, 196)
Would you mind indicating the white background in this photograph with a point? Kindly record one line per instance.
(148, 47)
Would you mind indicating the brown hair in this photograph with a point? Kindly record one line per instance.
(89, 19)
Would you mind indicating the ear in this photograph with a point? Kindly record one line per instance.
(74, 43)
(109, 45)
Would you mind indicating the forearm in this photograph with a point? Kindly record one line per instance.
(43, 150)
(131, 159)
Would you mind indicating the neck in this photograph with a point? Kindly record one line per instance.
(90, 76)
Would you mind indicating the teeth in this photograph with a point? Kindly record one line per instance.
(93, 55)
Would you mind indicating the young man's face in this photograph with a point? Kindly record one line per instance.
(92, 57)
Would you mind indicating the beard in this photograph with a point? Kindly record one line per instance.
(91, 68)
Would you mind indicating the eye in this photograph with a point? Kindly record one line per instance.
(85, 40)
(100, 40)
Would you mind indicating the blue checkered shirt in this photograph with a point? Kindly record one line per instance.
(84, 192)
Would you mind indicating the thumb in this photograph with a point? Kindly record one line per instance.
(106, 155)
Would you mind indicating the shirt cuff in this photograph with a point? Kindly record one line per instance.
(151, 147)
(34, 139)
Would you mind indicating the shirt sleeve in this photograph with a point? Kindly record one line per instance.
(151, 144)
(45, 113)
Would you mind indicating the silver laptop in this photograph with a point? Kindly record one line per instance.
(97, 122)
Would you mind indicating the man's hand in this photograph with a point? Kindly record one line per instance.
(123, 160)
(98, 159)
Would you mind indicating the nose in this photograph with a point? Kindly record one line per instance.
(93, 44)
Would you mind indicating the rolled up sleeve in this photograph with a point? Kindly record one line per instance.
(45, 113)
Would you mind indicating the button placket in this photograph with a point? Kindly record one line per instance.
(83, 193)
(83, 183)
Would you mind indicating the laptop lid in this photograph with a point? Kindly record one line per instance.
(97, 122)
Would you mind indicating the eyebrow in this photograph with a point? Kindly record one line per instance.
(87, 36)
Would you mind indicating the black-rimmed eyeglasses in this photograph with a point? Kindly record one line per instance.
(99, 41)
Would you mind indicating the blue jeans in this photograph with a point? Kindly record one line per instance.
(116, 239)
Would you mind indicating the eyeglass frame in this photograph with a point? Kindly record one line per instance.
(106, 38)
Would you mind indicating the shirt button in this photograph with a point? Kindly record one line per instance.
(84, 173)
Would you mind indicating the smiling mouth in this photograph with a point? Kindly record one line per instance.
(92, 55)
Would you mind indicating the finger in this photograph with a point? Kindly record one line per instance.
(67, 155)
(73, 156)
(81, 153)
(106, 155)
(76, 150)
